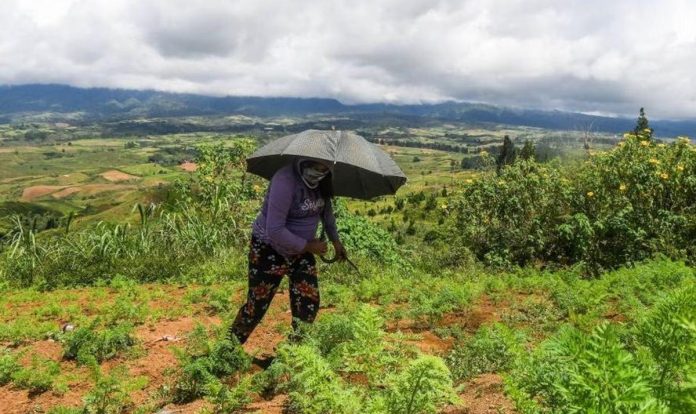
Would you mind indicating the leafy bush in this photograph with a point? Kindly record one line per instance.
(203, 362)
(314, 388)
(492, 349)
(439, 298)
(8, 366)
(364, 238)
(598, 372)
(87, 344)
(423, 387)
(38, 377)
(618, 207)
(111, 393)
(670, 342)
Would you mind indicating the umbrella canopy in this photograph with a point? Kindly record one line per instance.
(359, 168)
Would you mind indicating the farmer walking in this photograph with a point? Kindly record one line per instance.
(283, 242)
(306, 171)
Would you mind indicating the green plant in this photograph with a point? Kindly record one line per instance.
(203, 362)
(492, 349)
(111, 393)
(86, 344)
(230, 400)
(8, 366)
(423, 387)
(619, 207)
(362, 237)
(575, 372)
(669, 341)
(38, 377)
(314, 388)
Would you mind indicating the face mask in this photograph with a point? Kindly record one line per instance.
(311, 176)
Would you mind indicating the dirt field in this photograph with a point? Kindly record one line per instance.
(482, 394)
(34, 192)
(115, 176)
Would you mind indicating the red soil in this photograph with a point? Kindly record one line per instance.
(30, 193)
(115, 176)
(484, 395)
(188, 166)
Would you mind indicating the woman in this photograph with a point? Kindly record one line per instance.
(283, 241)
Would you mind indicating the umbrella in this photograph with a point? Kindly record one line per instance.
(359, 168)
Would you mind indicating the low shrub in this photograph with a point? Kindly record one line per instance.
(492, 349)
(619, 207)
(87, 344)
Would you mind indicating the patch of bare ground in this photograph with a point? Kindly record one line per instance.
(483, 395)
(66, 192)
(276, 405)
(116, 175)
(188, 166)
(430, 343)
(36, 191)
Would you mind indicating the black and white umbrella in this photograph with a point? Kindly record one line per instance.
(359, 168)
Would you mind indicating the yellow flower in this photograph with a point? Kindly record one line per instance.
(661, 145)
(680, 167)
(628, 135)
(654, 161)
(590, 194)
(664, 176)
(444, 206)
(469, 181)
(645, 143)
(622, 187)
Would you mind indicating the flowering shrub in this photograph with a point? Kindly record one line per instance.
(617, 207)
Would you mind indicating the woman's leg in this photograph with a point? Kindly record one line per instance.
(266, 270)
(304, 289)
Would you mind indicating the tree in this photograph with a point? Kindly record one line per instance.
(507, 154)
(528, 152)
(642, 128)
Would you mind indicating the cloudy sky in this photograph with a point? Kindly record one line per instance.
(595, 56)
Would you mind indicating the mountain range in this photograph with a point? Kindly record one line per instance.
(95, 104)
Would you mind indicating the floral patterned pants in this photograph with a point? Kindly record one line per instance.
(266, 269)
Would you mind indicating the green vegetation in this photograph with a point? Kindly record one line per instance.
(567, 284)
(617, 207)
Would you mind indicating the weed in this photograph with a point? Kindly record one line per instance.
(492, 349)
(87, 343)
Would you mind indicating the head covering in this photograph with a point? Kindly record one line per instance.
(309, 175)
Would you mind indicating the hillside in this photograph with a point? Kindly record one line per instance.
(62, 101)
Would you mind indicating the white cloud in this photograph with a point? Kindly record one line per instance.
(591, 56)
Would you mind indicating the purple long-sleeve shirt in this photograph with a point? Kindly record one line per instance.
(291, 212)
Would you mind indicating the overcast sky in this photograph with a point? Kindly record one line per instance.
(596, 56)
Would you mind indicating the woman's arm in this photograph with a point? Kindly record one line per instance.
(280, 197)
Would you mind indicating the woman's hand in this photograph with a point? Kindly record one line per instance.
(316, 246)
(341, 253)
